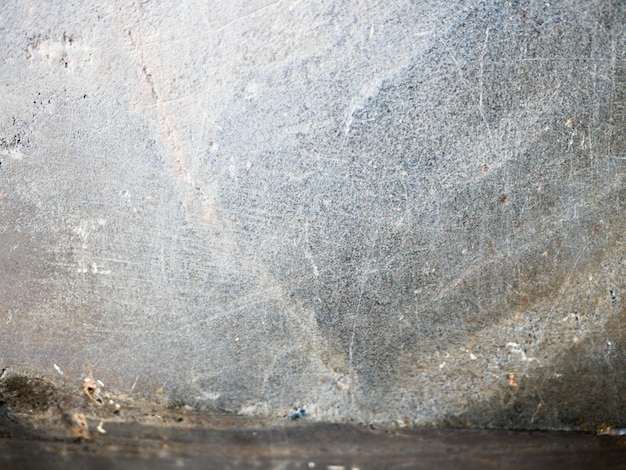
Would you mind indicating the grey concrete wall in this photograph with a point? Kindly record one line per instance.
(380, 211)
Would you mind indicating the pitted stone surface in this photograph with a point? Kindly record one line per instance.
(405, 211)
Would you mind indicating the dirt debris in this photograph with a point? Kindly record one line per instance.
(47, 408)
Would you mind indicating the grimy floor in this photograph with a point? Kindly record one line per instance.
(48, 425)
(308, 445)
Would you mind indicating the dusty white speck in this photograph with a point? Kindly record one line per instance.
(472, 356)
(311, 465)
(100, 382)
(515, 349)
(210, 395)
(14, 153)
(336, 467)
(342, 381)
(568, 317)
(100, 428)
(254, 409)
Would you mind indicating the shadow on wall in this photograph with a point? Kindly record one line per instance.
(584, 389)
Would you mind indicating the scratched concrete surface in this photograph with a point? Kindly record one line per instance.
(407, 212)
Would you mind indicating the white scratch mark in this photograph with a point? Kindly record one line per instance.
(134, 383)
(478, 104)
(482, 66)
(293, 5)
(348, 120)
(307, 252)
(58, 369)
(251, 13)
(308, 255)
(352, 343)
(369, 89)
(571, 273)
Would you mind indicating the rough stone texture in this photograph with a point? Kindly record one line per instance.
(380, 211)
